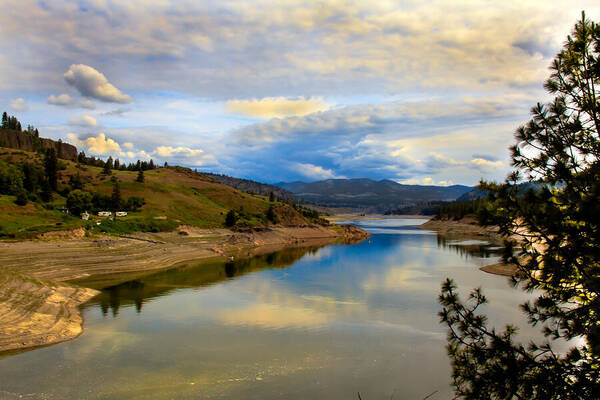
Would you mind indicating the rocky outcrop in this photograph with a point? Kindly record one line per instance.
(26, 142)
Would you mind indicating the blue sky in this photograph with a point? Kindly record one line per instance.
(415, 91)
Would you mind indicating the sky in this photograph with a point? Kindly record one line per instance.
(420, 92)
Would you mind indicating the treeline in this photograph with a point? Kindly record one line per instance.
(39, 182)
(115, 164)
(274, 214)
(428, 208)
(30, 181)
(11, 122)
(460, 209)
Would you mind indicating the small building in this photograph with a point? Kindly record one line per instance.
(120, 213)
(104, 213)
(85, 216)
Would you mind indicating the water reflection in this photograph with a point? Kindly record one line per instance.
(195, 275)
(301, 323)
(476, 248)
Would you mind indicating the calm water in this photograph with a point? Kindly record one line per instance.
(316, 323)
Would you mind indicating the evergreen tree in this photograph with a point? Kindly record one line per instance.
(115, 199)
(51, 168)
(558, 255)
(107, 170)
(231, 218)
(140, 176)
(4, 120)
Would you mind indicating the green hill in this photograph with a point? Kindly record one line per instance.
(173, 196)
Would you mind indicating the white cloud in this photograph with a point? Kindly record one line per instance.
(64, 100)
(271, 107)
(83, 120)
(99, 145)
(60, 100)
(128, 145)
(19, 104)
(87, 103)
(315, 172)
(91, 83)
(168, 151)
(482, 162)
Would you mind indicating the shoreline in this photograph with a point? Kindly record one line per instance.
(468, 228)
(38, 278)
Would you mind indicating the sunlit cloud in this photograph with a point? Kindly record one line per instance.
(19, 104)
(276, 107)
(83, 120)
(168, 151)
(99, 145)
(60, 100)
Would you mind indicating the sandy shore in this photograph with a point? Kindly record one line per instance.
(38, 299)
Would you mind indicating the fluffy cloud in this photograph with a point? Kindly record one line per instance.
(168, 151)
(315, 172)
(99, 145)
(64, 100)
(84, 120)
(483, 163)
(87, 103)
(19, 104)
(276, 107)
(184, 155)
(60, 100)
(91, 83)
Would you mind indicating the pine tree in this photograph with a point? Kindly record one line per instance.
(108, 165)
(140, 176)
(4, 120)
(115, 199)
(51, 168)
(558, 254)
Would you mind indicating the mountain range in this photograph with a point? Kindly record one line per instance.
(371, 196)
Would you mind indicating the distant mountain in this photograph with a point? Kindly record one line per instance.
(253, 187)
(472, 195)
(370, 195)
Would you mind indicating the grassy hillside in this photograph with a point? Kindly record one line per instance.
(173, 196)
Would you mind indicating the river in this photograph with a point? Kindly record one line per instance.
(303, 323)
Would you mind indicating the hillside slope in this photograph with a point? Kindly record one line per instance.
(173, 196)
(253, 187)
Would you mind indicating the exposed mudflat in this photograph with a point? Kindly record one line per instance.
(39, 305)
(36, 313)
